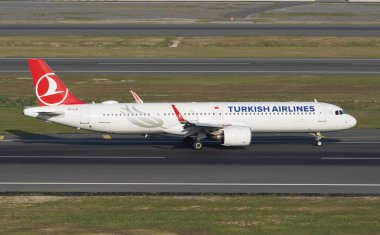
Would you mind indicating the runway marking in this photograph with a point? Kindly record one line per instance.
(81, 157)
(107, 137)
(366, 63)
(146, 142)
(175, 63)
(358, 142)
(186, 184)
(42, 141)
(350, 158)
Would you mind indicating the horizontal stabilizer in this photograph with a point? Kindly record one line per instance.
(51, 114)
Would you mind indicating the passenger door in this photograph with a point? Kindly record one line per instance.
(322, 114)
(84, 118)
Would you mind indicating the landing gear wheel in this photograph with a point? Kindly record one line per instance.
(198, 145)
(188, 141)
(318, 136)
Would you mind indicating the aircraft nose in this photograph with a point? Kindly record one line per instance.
(351, 121)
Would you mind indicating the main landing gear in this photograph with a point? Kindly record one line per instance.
(196, 143)
(318, 138)
(189, 141)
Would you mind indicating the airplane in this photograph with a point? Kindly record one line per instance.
(231, 123)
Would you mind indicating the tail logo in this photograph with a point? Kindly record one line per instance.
(49, 92)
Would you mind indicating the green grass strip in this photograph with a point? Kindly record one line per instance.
(189, 215)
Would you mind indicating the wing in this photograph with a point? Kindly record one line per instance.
(188, 124)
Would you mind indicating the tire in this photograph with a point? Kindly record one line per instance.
(197, 145)
(188, 141)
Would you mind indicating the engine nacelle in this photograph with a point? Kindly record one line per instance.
(237, 136)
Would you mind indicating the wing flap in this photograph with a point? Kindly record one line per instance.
(208, 124)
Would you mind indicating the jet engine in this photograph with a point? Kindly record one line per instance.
(236, 136)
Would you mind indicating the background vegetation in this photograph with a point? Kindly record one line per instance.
(191, 46)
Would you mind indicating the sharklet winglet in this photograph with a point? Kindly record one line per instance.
(179, 115)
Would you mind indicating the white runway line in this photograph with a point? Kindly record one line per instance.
(184, 184)
(43, 141)
(82, 157)
(358, 142)
(175, 63)
(350, 158)
(172, 141)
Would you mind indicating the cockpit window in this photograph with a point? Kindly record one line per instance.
(339, 112)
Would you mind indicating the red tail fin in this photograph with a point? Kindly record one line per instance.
(50, 90)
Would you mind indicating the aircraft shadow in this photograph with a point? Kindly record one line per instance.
(135, 150)
(157, 140)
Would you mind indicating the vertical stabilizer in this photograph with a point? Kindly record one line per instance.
(49, 89)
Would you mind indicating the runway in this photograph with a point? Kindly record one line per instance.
(197, 65)
(348, 162)
(187, 30)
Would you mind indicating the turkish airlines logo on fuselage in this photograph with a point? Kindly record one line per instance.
(49, 91)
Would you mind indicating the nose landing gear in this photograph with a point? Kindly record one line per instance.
(318, 138)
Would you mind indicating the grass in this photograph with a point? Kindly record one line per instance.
(203, 46)
(189, 215)
(358, 95)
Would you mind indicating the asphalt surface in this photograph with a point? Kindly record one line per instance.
(187, 30)
(348, 162)
(162, 65)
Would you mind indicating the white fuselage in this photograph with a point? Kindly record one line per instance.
(148, 118)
